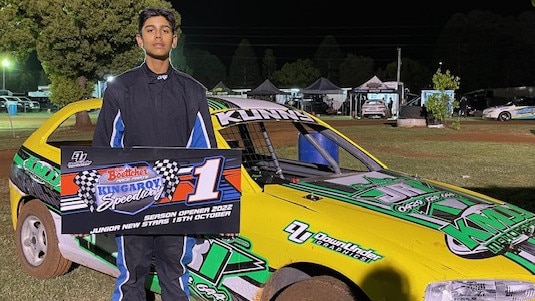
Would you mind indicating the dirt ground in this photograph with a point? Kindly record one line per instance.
(6, 157)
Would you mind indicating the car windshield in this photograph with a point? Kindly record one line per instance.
(373, 102)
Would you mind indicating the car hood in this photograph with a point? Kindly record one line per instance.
(464, 224)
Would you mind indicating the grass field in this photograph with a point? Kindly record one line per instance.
(489, 157)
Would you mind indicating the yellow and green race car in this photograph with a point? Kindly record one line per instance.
(321, 219)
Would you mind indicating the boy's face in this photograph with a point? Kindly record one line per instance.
(157, 38)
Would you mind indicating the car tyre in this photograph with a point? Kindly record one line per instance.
(317, 288)
(37, 243)
(504, 116)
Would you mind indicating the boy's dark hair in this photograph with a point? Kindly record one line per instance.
(153, 12)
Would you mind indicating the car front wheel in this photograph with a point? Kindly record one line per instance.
(504, 116)
(37, 243)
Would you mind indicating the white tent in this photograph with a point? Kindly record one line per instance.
(374, 85)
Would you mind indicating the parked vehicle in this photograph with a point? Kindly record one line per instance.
(44, 103)
(9, 101)
(519, 108)
(375, 108)
(24, 104)
(321, 219)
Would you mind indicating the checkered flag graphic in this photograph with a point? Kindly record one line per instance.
(168, 169)
(86, 181)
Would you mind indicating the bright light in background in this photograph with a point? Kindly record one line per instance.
(101, 85)
(5, 64)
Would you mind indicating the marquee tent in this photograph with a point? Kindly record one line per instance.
(322, 86)
(374, 85)
(376, 88)
(220, 88)
(331, 94)
(266, 88)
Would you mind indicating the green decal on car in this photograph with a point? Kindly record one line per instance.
(41, 171)
(219, 264)
(474, 227)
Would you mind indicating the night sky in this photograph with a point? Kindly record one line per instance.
(295, 30)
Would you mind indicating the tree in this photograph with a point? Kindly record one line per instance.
(269, 64)
(489, 50)
(299, 73)
(206, 67)
(355, 70)
(77, 41)
(244, 71)
(328, 58)
(178, 59)
(66, 89)
(439, 104)
(17, 32)
(414, 75)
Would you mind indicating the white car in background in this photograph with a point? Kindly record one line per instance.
(520, 108)
(375, 108)
(24, 104)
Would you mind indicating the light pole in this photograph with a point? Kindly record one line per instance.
(5, 64)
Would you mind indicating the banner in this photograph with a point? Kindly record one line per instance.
(150, 190)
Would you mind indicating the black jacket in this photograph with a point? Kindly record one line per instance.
(133, 116)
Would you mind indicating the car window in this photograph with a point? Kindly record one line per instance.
(295, 155)
(67, 133)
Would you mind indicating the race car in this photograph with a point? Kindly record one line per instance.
(519, 108)
(321, 219)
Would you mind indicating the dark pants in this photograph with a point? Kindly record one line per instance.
(135, 252)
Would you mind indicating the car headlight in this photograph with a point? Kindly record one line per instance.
(480, 290)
